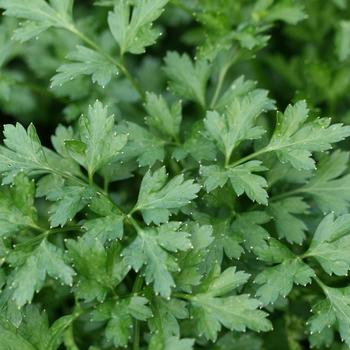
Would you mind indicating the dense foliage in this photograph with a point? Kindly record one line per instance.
(180, 188)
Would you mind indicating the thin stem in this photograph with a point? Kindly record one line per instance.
(222, 76)
(68, 339)
(134, 223)
(218, 88)
(250, 156)
(105, 184)
(182, 296)
(136, 288)
(320, 283)
(91, 178)
(286, 194)
(64, 229)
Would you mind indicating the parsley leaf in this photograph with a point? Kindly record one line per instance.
(187, 79)
(132, 29)
(158, 198)
(212, 308)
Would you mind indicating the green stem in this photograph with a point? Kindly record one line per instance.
(222, 76)
(91, 178)
(182, 296)
(250, 156)
(218, 88)
(64, 229)
(320, 283)
(136, 289)
(68, 339)
(133, 222)
(286, 194)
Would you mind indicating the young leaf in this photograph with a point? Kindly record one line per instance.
(158, 198)
(100, 141)
(187, 79)
(86, 62)
(166, 120)
(132, 28)
(238, 122)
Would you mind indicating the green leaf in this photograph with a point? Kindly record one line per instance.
(97, 274)
(86, 62)
(57, 330)
(131, 27)
(170, 343)
(187, 79)
(197, 145)
(278, 280)
(330, 244)
(241, 177)
(288, 225)
(46, 259)
(248, 224)
(329, 187)
(151, 249)
(142, 145)
(167, 313)
(159, 198)
(225, 241)
(212, 309)
(166, 120)
(236, 341)
(67, 200)
(236, 91)
(104, 229)
(285, 11)
(332, 311)
(193, 263)
(39, 14)
(17, 209)
(10, 339)
(102, 142)
(238, 121)
(342, 42)
(294, 139)
(120, 316)
(23, 152)
(34, 327)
